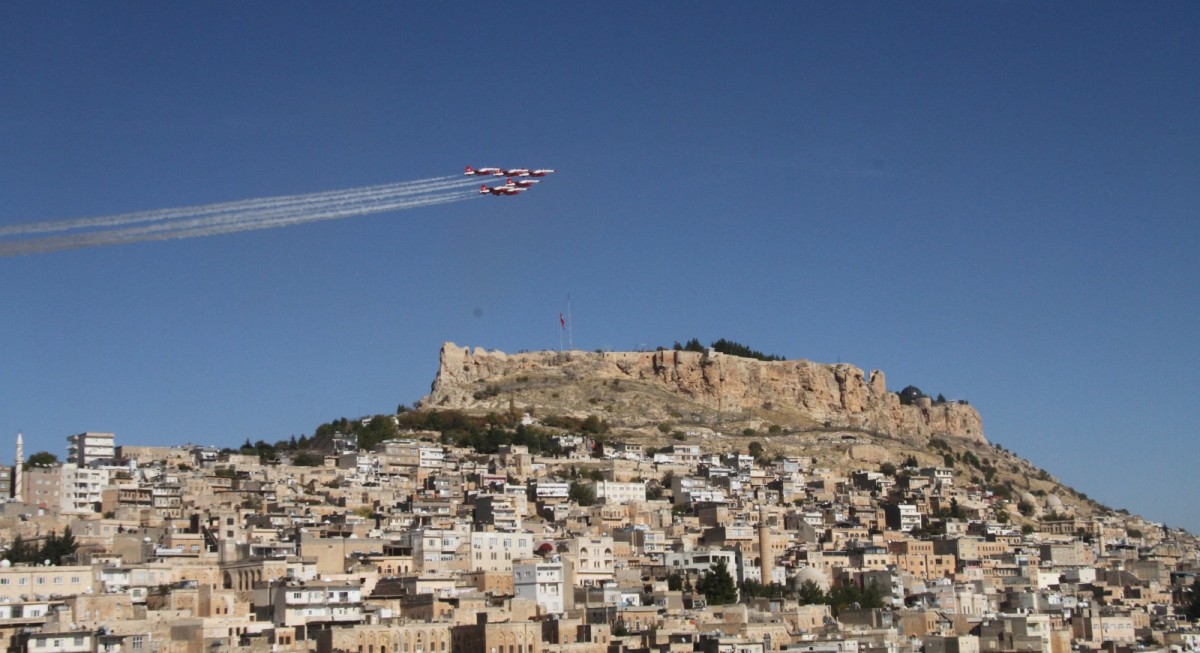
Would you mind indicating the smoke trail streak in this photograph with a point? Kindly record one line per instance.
(204, 221)
(269, 212)
(229, 207)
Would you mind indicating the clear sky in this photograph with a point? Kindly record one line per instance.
(996, 201)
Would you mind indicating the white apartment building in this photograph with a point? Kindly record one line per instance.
(620, 493)
(431, 457)
(435, 548)
(687, 490)
(700, 561)
(902, 517)
(311, 604)
(942, 476)
(82, 488)
(542, 582)
(85, 448)
(496, 551)
(552, 491)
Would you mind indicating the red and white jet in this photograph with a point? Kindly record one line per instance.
(490, 172)
(522, 183)
(540, 172)
(501, 190)
(517, 172)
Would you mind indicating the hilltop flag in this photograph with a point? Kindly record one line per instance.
(562, 324)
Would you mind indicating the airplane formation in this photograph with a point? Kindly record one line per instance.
(511, 186)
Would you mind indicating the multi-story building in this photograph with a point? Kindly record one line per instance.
(317, 605)
(84, 449)
(487, 637)
(437, 548)
(431, 457)
(499, 511)
(42, 486)
(82, 488)
(497, 551)
(697, 562)
(620, 493)
(7, 488)
(24, 582)
(549, 491)
(644, 540)
(902, 516)
(542, 582)
(393, 638)
(590, 560)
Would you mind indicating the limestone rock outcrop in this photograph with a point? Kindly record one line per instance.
(833, 396)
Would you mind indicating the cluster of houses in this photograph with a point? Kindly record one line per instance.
(417, 547)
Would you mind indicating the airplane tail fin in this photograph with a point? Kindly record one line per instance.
(470, 171)
(483, 189)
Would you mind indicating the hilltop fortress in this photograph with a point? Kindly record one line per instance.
(794, 392)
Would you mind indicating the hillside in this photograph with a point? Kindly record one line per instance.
(708, 389)
(837, 415)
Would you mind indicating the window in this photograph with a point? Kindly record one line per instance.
(136, 642)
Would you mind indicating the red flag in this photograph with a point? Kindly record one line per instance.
(562, 324)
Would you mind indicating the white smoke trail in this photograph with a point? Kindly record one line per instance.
(273, 211)
(228, 217)
(229, 207)
(231, 222)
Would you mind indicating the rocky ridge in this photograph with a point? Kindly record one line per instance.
(703, 387)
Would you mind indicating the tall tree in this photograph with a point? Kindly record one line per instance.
(810, 593)
(717, 585)
(41, 459)
(582, 493)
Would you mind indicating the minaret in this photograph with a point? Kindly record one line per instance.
(764, 546)
(17, 490)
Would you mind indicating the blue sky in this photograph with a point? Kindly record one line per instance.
(993, 200)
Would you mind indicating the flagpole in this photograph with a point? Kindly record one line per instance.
(570, 339)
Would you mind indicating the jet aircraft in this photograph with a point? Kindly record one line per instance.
(494, 172)
(500, 190)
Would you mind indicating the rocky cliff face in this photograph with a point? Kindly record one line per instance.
(837, 396)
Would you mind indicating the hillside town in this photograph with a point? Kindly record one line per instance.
(416, 545)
